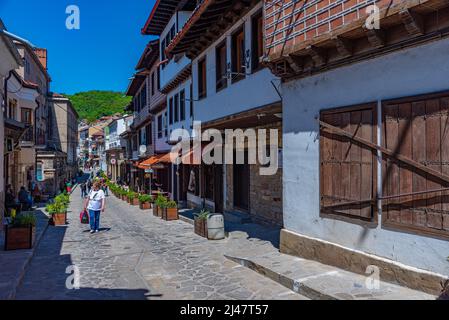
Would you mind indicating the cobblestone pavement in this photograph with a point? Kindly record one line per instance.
(139, 256)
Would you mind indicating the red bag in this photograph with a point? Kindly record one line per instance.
(84, 217)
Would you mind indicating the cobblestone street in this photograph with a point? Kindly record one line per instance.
(139, 256)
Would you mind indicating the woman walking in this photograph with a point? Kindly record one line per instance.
(95, 203)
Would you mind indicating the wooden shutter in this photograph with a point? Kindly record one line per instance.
(418, 129)
(348, 167)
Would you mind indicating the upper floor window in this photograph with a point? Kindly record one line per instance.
(159, 126)
(176, 107)
(170, 110)
(152, 84)
(149, 134)
(238, 55)
(143, 97)
(27, 67)
(202, 86)
(220, 55)
(158, 78)
(163, 52)
(12, 106)
(257, 41)
(182, 104)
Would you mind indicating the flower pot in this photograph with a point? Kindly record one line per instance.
(134, 202)
(19, 237)
(170, 214)
(59, 219)
(145, 205)
(200, 227)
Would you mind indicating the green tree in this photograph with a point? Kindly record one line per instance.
(92, 105)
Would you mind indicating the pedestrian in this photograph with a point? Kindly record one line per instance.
(24, 199)
(89, 186)
(83, 189)
(95, 203)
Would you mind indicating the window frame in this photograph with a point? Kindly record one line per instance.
(202, 78)
(239, 72)
(257, 41)
(221, 81)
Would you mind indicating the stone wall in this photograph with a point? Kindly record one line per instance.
(265, 191)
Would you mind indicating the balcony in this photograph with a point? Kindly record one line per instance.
(28, 136)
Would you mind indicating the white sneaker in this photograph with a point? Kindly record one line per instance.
(92, 231)
(96, 231)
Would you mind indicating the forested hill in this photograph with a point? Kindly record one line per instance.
(92, 105)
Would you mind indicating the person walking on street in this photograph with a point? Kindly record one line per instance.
(95, 203)
(83, 189)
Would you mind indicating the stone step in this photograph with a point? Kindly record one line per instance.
(322, 282)
(237, 217)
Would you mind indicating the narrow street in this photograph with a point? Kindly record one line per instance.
(139, 256)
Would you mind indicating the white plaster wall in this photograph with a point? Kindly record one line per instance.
(414, 71)
(187, 122)
(172, 68)
(254, 91)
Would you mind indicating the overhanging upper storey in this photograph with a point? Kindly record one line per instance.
(308, 37)
(209, 20)
(162, 12)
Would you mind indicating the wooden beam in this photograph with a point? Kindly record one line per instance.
(344, 46)
(412, 21)
(318, 55)
(295, 63)
(386, 151)
(376, 37)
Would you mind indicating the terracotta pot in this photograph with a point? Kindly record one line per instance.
(200, 227)
(59, 219)
(134, 202)
(145, 205)
(170, 214)
(19, 237)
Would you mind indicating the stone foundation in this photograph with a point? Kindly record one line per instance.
(357, 261)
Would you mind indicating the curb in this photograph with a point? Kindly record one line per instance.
(287, 282)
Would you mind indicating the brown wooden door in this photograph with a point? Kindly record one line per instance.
(417, 129)
(348, 167)
(218, 188)
(241, 186)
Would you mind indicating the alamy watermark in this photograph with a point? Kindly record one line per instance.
(372, 22)
(249, 146)
(73, 21)
(73, 280)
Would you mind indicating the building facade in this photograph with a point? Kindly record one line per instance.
(9, 61)
(364, 136)
(232, 90)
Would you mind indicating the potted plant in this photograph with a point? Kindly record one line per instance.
(124, 194)
(159, 205)
(170, 211)
(145, 201)
(21, 232)
(58, 212)
(200, 223)
(133, 198)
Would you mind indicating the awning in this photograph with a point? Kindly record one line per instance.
(159, 158)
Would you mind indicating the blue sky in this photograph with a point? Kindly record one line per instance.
(100, 56)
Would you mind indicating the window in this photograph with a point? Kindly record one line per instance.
(143, 97)
(165, 124)
(152, 84)
(170, 109)
(182, 104)
(163, 52)
(238, 55)
(149, 134)
(202, 87)
(191, 101)
(26, 116)
(142, 137)
(220, 55)
(12, 108)
(257, 41)
(159, 126)
(172, 33)
(158, 78)
(176, 107)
